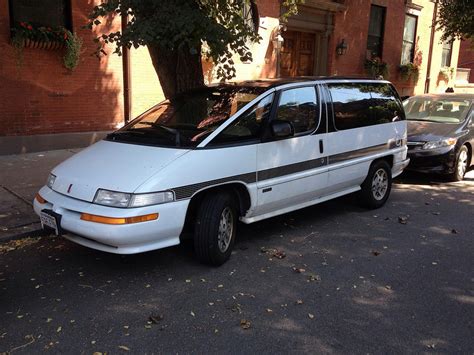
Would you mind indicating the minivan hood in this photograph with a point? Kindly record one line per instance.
(111, 166)
(420, 131)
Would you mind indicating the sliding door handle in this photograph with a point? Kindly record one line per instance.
(321, 146)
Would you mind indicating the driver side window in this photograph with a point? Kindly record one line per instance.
(248, 127)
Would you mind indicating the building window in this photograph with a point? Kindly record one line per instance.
(52, 13)
(376, 31)
(409, 33)
(446, 53)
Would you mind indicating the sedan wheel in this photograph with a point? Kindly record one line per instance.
(462, 163)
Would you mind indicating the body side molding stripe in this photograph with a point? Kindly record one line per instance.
(187, 191)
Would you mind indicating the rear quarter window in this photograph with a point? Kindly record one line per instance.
(364, 104)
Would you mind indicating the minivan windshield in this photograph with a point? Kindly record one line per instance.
(441, 110)
(187, 119)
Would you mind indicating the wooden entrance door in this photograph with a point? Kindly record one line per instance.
(297, 54)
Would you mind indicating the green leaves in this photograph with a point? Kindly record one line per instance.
(456, 19)
(218, 29)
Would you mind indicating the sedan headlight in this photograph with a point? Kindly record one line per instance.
(440, 144)
(50, 181)
(122, 199)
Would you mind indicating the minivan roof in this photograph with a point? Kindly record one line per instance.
(269, 83)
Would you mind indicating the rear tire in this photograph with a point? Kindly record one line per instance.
(462, 163)
(215, 228)
(377, 185)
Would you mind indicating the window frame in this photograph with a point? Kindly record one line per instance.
(276, 103)
(450, 57)
(264, 124)
(412, 52)
(68, 18)
(382, 34)
(333, 114)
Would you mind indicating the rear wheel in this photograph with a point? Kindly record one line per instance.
(461, 166)
(215, 228)
(377, 185)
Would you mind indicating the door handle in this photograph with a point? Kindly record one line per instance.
(321, 146)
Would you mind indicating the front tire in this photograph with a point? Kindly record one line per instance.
(377, 185)
(462, 161)
(215, 228)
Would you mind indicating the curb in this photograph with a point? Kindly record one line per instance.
(39, 232)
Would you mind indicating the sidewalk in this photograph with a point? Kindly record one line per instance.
(21, 176)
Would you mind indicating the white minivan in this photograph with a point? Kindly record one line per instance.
(210, 157)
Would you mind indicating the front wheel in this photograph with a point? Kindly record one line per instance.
(376, 187)
(461, 166)
(215, 228)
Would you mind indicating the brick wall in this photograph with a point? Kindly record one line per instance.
(353, 24)
(466, 57)
(41, 96)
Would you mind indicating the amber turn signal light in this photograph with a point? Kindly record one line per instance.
(121, 220)
(40, 199)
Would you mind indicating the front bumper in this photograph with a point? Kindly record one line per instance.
(119, 239)
(441, 161)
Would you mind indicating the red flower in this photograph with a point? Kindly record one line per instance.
(65, 35)
(29, 27)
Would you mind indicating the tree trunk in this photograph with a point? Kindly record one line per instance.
(178, 70)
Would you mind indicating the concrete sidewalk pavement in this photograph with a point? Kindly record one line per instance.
(21, 176)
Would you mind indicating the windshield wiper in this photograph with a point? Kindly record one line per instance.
(173, 131)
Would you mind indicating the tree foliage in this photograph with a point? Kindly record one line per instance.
(215, 28)
(456, 19)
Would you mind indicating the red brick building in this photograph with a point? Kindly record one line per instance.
(43, 105)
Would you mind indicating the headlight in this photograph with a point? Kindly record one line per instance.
(440, 144)
(112, 198)
(122, 199)
(50, 181)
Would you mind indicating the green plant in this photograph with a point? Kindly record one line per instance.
(73, 50)
(25, 34)
(376, 68)
(409, 71)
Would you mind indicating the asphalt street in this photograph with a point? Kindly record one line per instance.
(333, 278)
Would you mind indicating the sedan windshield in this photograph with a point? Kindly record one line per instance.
(442, 110)
(187, 119)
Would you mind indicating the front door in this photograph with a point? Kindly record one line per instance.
(293, 171)
(297, 54)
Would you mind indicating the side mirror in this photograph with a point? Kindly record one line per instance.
(281, 129)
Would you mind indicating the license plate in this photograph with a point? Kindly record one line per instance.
(48, 220)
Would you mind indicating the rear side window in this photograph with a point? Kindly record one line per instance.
(361, 105)
(300, 107)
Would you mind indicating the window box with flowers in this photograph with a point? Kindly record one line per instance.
(26, 35)
(376, 68)
(409, 71)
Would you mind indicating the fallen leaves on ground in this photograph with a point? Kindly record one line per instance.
(375, 253)
(299, 270)
(245, 324)
(123, 347)
(403, 219)
(155, 318)
(310, 316)
(275, 253)
(17, 244)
